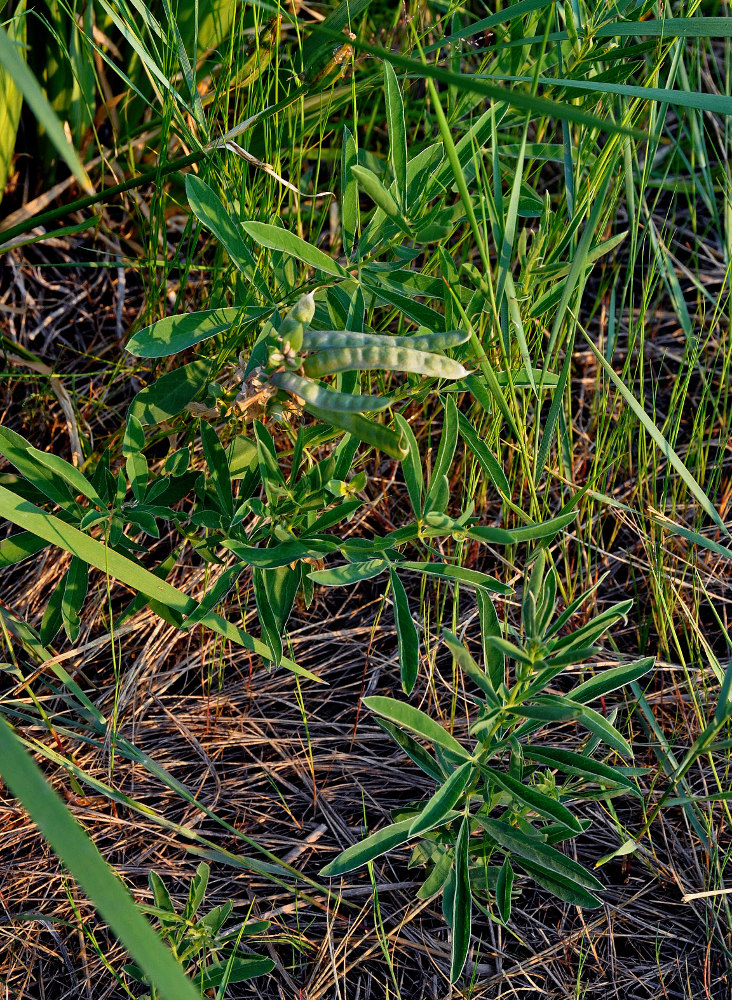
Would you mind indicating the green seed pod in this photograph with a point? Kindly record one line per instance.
(400, 359)
(317, 340)
(295, 323)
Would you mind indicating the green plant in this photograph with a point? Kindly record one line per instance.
(507, 796)
(209, 953)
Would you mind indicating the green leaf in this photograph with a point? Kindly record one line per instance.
(535, 851)
(397, 132)
(610, 680)
(529, 532)
(416, 720)
(275, 238)
(653, 432)
(11, 100)
(77, 581)
(134, 438)
(562, 886)
(411, 464)
(270, 631)
(17, 450)
(604, 729)
(26, 515)
(443, 801)
(406, 635)
(370, 183)
(462, 903)
(24, 779)
(177, 333)
(344, 576)
(218, 467)
(209, 210)
(19, 546)
(445, 454)
(579, 765)
(504, 885)
(237, 969)
(668, 27)
(369, 849)
(483, 455)
(493, 658)
(137, 472)
(539, 802)
(468, 665)
(458, 574)
(76, 479)
(349, 192)
(414, 750)
(437, 877)
(171, 393)
(17, 70)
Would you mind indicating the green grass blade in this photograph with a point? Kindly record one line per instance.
(24, 779)
(24, 80)
(654, 433)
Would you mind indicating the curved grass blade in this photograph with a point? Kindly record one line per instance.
(26, 515)
(24, 779)
(693, 486)
(25, 81)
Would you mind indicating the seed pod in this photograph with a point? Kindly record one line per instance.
(317, 340)
(397, 359)
(295, 323)
(328, 399)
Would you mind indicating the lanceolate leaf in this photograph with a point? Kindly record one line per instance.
(416, 720)
(343, 576)
(458, 574)
(369, 849)
(177, 333)
(443, 800)
(579, 765)
(406, 635)
(397, 132)
(539, 853)
(171, 393)
(504, 886)
(276, 238)
(536, 800)
(462, 903)
(610, 680)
